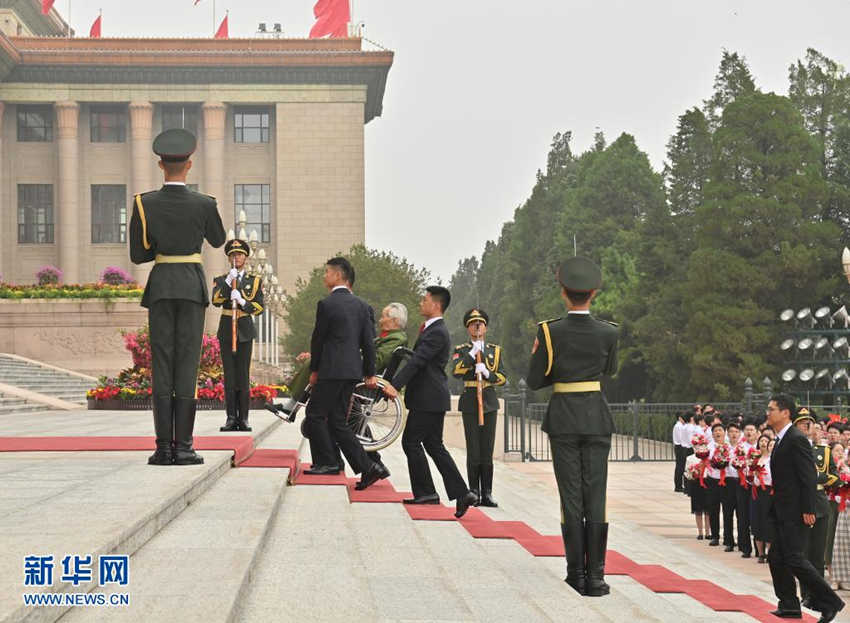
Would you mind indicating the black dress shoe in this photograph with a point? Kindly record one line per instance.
(729, 548)
(808, 603)
(714, 542)
(423, 499)
(322, 470)
(746, 555)
(376, 472)
(827, 615)
(782, 613)
(464, 502)
(700, 537)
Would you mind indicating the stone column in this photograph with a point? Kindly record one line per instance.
(66, 204)
(215, 122)
(141, 136)
(10, 238)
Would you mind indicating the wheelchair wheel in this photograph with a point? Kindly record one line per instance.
(376, 420)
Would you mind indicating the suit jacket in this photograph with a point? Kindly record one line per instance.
(425, 372)
(343, 342)
(174, 221)
(794, 477)
(251, 288)
(576, 348)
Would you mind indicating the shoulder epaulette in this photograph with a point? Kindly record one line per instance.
(548, 321)
(613, 324)
(147, 192)
(465, 344)
(492, 345)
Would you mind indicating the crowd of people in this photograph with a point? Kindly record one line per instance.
(723, 464)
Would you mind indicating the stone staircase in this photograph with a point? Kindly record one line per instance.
(41, 379)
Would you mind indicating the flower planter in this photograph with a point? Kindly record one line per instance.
(144, 404)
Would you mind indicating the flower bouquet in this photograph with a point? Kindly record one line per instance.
(720, 460)
(739, 462)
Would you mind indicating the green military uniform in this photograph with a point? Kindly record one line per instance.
(237, 366)
(480, 440)
(571, 355)
(827, 476)
(168, 226)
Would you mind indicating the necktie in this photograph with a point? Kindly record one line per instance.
(421, 327)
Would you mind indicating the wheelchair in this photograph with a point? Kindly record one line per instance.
(376, 420)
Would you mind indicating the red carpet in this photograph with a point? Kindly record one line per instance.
(241, 445)
(272, 458)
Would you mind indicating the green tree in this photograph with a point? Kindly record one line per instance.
(464, 290)
(733, 80)
(380, 278)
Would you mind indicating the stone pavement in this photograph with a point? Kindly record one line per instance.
(210, 543)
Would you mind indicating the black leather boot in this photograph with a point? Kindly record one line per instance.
(184, 424)
(230, 406)
(573, 536)
(596, 542)
(473, 473)
(487, 486)
(163, 425)
(243, 400)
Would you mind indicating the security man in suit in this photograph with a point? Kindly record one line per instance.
(342, 352)
(480, 440)
(571, 354)
(168, 226)
(427, 400)
(245, 291)
(826, 477)
(793, 516)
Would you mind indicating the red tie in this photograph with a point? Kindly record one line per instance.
(421, 327)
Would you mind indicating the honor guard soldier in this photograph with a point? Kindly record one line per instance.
(241, 293)
(168, 226)
(826, 477)
(571, 354)
(476, 361)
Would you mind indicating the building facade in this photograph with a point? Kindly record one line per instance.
(280, 127)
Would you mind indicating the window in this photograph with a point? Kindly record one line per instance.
(255, 200)
(108, 213)
(108, 125)
(180, 116)
(35, 213)
(251, 125)
(35, 124)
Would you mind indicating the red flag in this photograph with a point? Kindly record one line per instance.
(95, 27)
(332, 17)
(46, 5)
(222, 32)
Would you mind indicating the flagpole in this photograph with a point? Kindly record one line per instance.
(213, 18)
(69, 19)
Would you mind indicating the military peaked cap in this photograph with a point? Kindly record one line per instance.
(175, 145)
(475, 315)
(803, 414)
(237, 246)
(580, 274)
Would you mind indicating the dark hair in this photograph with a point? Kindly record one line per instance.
(768, 437)
(733, 423)
(698, 419)
(836, 425)
(344, 267)
(717, 425)
(784, 401)
(750, 421)
(441, 295)
(576, 297)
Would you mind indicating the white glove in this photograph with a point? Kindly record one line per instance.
(477, 347)
(233, 274)
(236, 296)
(481, 368)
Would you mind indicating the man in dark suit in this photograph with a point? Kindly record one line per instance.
(342, 352)
(427, 399)
(793, 516)
(168, 226)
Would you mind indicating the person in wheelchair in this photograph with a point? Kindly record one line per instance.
(392, 325)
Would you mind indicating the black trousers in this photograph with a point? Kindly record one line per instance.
(176, 334)
(729, 504)
(816, 551)
(679, 469)
(788, 561)
(326, 413)
(424, 433)
(580, 463)
(742, 513)
(713, 501)
(237, 368)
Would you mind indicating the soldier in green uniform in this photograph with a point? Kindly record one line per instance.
(827, 476)
(571, 354)
(168, 226)
(480, 440)
(245, 290)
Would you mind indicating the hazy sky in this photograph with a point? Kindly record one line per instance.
(479, 87)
